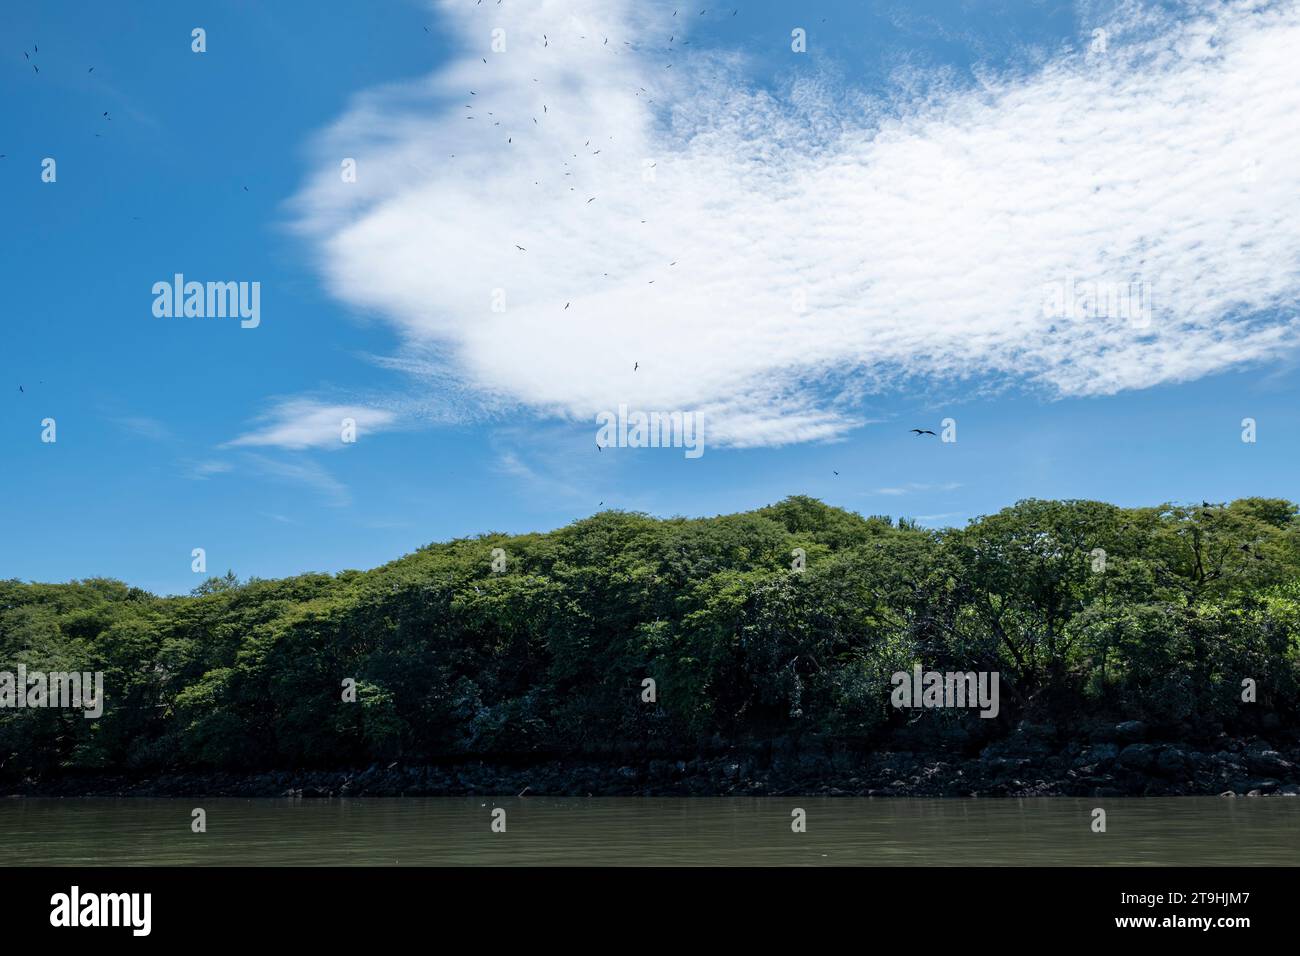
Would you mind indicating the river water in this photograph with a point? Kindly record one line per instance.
(615, 831)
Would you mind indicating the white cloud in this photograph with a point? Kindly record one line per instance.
(303, 471)
(509, 463)
(912, 487)
(144, 427)
(922, 231)
(939, 518)
(305, 423)
(203, 470)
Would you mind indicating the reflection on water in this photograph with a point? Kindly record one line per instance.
(651, 831)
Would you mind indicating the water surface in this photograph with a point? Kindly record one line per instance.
(614, 831)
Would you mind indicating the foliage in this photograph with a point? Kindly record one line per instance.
(451, 658)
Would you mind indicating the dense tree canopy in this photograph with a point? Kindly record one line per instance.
(1155, 614)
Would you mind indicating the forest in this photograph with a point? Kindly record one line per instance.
(783, 622)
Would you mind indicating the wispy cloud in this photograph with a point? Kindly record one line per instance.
(300, 423)
(767, 258)
(913, 487)
(203, 470)
(144, 427)
(302, 470)
(939, 518)
(509, 463)
(543, 459)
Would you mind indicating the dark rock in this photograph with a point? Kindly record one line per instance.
(1268, 762)
(1131, 730)
(1137, 757)
(1024, 762)
(1171, 762)
(1102, 754)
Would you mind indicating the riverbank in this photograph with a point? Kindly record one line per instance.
(1019, 766)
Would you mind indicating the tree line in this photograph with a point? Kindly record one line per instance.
(787, 620)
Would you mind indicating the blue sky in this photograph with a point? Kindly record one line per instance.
(917, 177)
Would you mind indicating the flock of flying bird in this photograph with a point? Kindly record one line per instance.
(546, 42)
(509, 140)
(28, 57)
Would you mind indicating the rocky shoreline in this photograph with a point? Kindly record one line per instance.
(1022, 765)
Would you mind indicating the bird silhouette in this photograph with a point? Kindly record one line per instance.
(923, 431)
